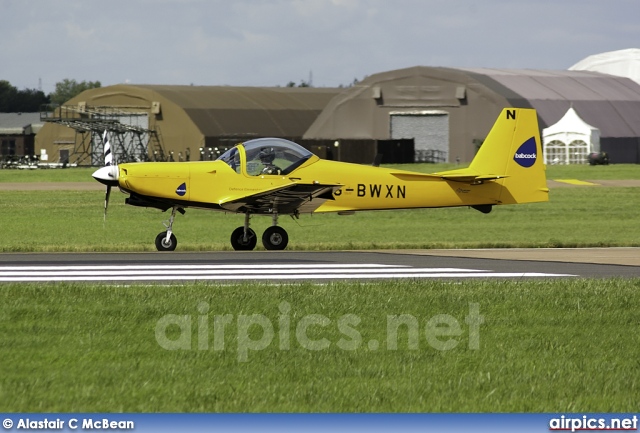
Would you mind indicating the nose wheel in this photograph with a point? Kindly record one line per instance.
(166, 241)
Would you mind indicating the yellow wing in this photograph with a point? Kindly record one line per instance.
(290, 199)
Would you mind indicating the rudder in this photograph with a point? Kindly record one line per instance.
(513, 149)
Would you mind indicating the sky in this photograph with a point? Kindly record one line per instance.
(270, 43)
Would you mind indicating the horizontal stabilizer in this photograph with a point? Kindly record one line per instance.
(453, 175)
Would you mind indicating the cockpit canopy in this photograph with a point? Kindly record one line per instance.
(267, 156)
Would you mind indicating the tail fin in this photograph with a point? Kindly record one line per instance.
(513, 150)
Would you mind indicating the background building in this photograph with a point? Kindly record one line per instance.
(623, 63)
(420, 113)
(448, 112)
(176, 122)
(17, 136)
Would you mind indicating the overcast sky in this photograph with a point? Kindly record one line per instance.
(269, 43)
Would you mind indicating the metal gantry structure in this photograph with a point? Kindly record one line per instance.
(130, 140)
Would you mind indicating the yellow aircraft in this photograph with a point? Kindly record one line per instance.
(273, 177)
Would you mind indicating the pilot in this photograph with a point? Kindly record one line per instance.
(267, 155)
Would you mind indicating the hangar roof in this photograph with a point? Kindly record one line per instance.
(222, 110)
(608, 102)
(20, 123)
(219, 111)
(624, 63)
(270, 98)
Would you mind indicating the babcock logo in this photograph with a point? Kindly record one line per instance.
(526, 154)
(182, 190)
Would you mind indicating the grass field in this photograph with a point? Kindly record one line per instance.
(566, 345)
(574, 217)
(73, 221)
(536, 346)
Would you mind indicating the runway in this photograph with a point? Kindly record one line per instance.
(292, 266)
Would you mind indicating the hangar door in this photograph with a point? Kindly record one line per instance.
(429, 130)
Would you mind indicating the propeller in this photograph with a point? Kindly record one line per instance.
(107, 175)
(106, 202)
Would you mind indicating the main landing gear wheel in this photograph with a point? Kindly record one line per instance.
(241, 243)
(162, 244)
(275, 238)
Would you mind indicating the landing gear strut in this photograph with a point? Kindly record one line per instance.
(244, 238)
(166, 241)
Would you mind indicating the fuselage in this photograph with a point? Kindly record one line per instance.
(210, 184)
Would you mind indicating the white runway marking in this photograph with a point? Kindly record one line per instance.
(176, 272)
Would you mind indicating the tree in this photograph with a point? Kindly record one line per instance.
(7, 96)
(30, 101)
(67, 89)
(13, 100)
(353, 83)
(302, 84)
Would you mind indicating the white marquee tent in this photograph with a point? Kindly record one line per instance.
(570, 140)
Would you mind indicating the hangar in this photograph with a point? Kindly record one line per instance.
(422, 113)
(448, 112)
(175, 122)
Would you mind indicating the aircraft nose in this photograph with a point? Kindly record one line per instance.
(107, 175)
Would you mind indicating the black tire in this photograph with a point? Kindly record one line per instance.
(275, 238)
(239, 243)
(163, 245)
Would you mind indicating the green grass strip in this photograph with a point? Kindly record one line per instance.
(542, 346)
(73, 221)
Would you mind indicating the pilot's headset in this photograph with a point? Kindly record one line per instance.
(267, 155)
